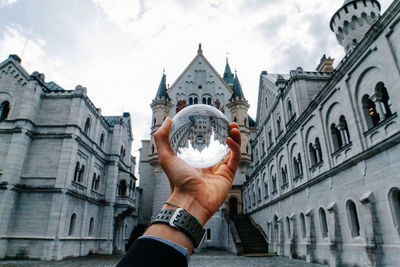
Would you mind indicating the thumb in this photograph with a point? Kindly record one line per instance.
(161, 138)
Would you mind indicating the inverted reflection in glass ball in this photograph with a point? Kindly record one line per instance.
(198, 135)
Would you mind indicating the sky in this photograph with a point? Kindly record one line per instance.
(119, 48)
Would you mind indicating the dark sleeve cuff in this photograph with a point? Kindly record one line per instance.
(151, 252)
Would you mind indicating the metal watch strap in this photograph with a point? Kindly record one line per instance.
(184, 221)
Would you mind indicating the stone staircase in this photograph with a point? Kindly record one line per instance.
(253, 240)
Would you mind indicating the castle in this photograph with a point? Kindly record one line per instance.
(67, 183)
(319, 178)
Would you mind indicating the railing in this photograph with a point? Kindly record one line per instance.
(235, 234)
(125, 201)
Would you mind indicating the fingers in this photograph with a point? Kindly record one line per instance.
(162, 142)
(234, 142)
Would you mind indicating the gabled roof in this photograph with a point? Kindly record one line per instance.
(162, 88)
(16, 61)
(237, 88)
(200, 54)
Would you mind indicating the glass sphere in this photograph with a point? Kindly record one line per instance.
(198, 135)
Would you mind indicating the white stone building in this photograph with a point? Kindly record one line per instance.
(67, 184)
(326, 182)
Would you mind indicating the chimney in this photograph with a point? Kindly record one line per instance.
(326, 64)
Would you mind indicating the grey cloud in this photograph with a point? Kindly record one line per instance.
(270, 27)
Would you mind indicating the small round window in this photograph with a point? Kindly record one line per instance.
(200, 87)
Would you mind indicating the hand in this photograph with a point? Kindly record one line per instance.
(200, 191)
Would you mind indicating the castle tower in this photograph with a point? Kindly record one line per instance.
(239, 106)
(161, 106)
(352, 21)
(228, 76)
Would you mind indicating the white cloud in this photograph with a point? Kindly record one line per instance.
(5, 3)
(121, 12)
(14, 41)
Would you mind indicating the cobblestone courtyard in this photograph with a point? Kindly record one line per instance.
(206, 258)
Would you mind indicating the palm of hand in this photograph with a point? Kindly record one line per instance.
(201, 191)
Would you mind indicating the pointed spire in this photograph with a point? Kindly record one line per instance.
(237, 88)
(228, 76)
(200, 51)
(162, 89)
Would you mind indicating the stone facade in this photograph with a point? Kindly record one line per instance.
(67, 184)
(326, 184)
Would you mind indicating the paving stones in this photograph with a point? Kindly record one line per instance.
(205, 258)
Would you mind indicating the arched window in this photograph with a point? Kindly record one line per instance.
(87, 126)
(91, 225)
(278, 124)
(284, 176)
(265, 179)
(352, 217)
(76, 173)
(323, 223)
(300, 164)
(208, 234)
(152, 149)
(270, 137)
(209, 101)
(263, 147)
(288, 227)
(318, 150)
(336, 138)
(96, 185)
(196, 100)
(122, 188)
(4, 110)
(190, 101)
(303, 225)
(274, 185)
(102, 140)
(394, 200)
(289, 109)
(313, 154)
(344, 130)
(72, 224)
(370, 114)
(245, 122)
(204, 100)
(382, 99)
(295, 167)
(234, 119)
(259, 190)
(93, 181)
(81, 174)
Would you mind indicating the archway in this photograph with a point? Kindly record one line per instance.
(233, 208)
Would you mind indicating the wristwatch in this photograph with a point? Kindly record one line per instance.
(184, 221)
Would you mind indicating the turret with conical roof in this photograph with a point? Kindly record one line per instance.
(161, 107)
(239, 107)
(237, 89)
(162, 88)
(353, 20)
(228, 75)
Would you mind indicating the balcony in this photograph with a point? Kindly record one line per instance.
(125, 202)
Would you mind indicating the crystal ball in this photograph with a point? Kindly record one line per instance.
(198, 135)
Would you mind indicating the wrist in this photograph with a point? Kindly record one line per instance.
(191, 205)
